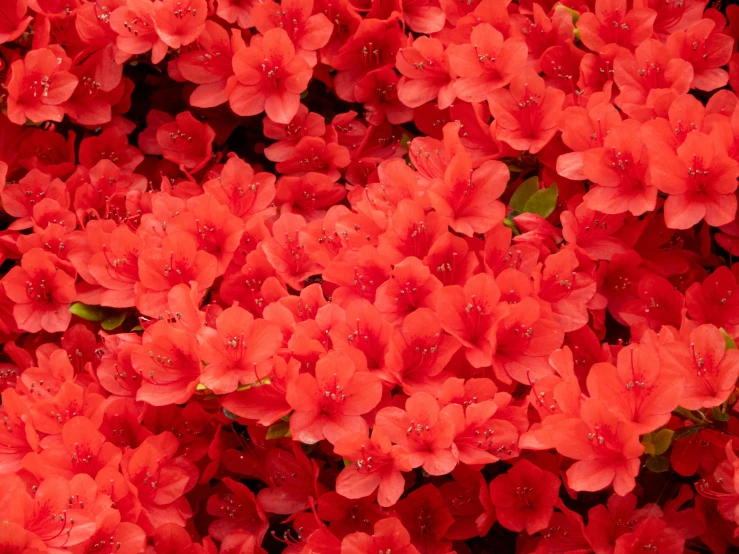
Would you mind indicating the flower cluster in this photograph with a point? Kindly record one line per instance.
(350, 276)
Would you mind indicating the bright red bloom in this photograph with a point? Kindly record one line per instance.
(607, 448)
(647, 74)
(700, 182)
(332, 403)
(469, 314)
(527, 115)
(20, 198)
(389, 534)
(425, 74)
(419, 351)
(156, 461)
(285, 250)
(469, 197)
(237, 350)
(15, 20)
(37, 85)
(236, 509)
(614, 23)
(715, 301)
(523, 341)
(308, 30)
(209, 65)
(639, 388)
(373, 45)
(424, 429)
(186, 141)
(707, 50)
(137, 32)
(489, 62)
(177, 261)
(525, 497)
(178, 22)
(567, 291)
(269, 77)
(619, 169)
(427, 518)
(480, 438)
(168, 364)
(708, 369)
(42, 290)
(377, 465)
(245, 192)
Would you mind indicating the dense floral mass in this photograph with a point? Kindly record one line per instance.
(352, 276)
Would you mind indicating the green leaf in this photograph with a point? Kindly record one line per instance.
(661, 441)
(730, 344)
(686, 432)
(229, 415)
(542, 202)
(719, 414)
(114, 321)
(278, 430)
(657, 464)
(90, 313)
(137, 328)
(512, 226)
(522, 194)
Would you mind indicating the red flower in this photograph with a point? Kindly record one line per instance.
(389, 534)
(179, 22)
(527, 115)
(373, 45)
(469, 314)
(285, 250)
(245, 192)
(645, 75)
(237, 350)
(707, 50)
(186, 141)
(15, 20)
(614, 23)
(639, 388)
(700, 181)
(607, 448)
(377, 465)
(419, 351)
(308, 29)
(236, 510)
(42, 290)
(177, 261)
(269, 77)
(20, 198)
(266, 403)
(488, 63)
(156, 461)
(427, 518)
(708, 369)
(469, 198)
(715, 301)
(137, 33)
(332, 403)
(168, 365)
(425, 74)
(619, 169)
(209, 65)
(525, 497)
(523, 341)
(37, 85)
(424, 430)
